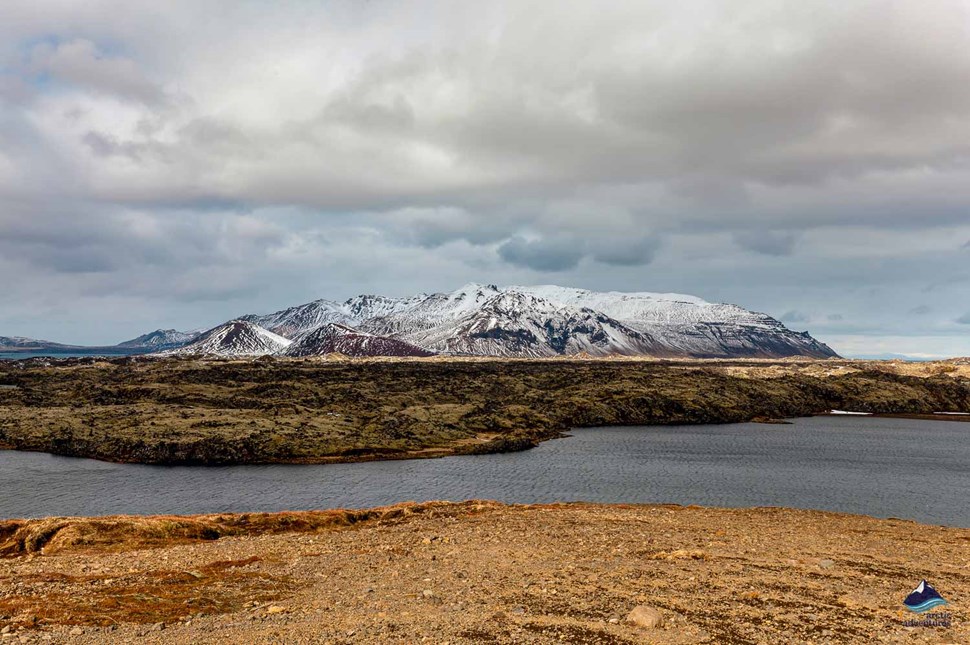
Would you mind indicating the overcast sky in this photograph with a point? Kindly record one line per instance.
(179, 163)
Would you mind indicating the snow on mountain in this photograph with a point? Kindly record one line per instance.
(294, 321)
(162, 339)
(335, 338)
(688, 325)
(234, 338)
(19, 343)
(511, 323)
(549, 320)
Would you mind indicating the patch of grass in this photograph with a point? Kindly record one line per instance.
(144, 597)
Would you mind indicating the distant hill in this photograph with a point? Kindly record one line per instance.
(234, 338)
(21, 344)
(161, 339)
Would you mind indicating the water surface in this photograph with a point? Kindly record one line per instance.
(903, 468)
(81, 352)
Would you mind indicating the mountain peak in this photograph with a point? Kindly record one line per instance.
(235, 338)
(334, 338)
(162, 339)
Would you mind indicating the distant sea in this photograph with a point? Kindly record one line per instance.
(80, 352)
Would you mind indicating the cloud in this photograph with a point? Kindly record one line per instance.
(556, 254)
(81, 63)
(221, 152)
(794, 316)
(920, 310)
(964, 319)
(766, 242)
(630, 252)
(835, 317)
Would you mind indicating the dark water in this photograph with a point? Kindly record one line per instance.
(80, 353)
(882, 467)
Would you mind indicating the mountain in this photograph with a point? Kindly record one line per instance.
(21, 344)
(550, 320)
(161, 339)
(14, 343)
(335, 338)
(513, 323)
(234, 338)
(294, 321)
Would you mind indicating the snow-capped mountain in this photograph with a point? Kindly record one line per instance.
(335, 338)
(550, 320)
(234, 338)
(19, 343)
(512, 323)
(162, 339)
(294, 321)
(688, 325)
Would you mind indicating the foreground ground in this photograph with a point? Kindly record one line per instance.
(479, 572)
(312, 411)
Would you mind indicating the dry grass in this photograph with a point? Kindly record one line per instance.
(126, 532)
(144, 596)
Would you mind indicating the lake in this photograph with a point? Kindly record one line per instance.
(902, 468)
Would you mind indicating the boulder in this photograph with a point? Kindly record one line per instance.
(646, 617)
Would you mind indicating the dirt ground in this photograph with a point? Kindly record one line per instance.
(480, 572)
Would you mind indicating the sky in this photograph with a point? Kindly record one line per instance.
(176, 164)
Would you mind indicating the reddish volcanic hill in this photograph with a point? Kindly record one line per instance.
(335, 338)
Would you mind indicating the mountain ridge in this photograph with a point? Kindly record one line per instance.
(548, 320)
(487, 320)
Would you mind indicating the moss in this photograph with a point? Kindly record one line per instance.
(305, 411)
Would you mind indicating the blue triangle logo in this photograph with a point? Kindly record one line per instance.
(923, 598)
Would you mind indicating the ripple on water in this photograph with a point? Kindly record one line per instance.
(876, 466)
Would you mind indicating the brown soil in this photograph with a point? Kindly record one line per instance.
(480, 572)
(311, 411)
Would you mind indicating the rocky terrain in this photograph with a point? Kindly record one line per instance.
(273, 410)
(481, 572)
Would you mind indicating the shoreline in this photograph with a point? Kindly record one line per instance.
(485, 447)
(470, 571)
(189, 412)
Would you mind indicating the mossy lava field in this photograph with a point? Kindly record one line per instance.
(209, 412)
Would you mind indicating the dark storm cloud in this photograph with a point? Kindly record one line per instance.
(631, 252)
(204, 150)
(556, 254)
